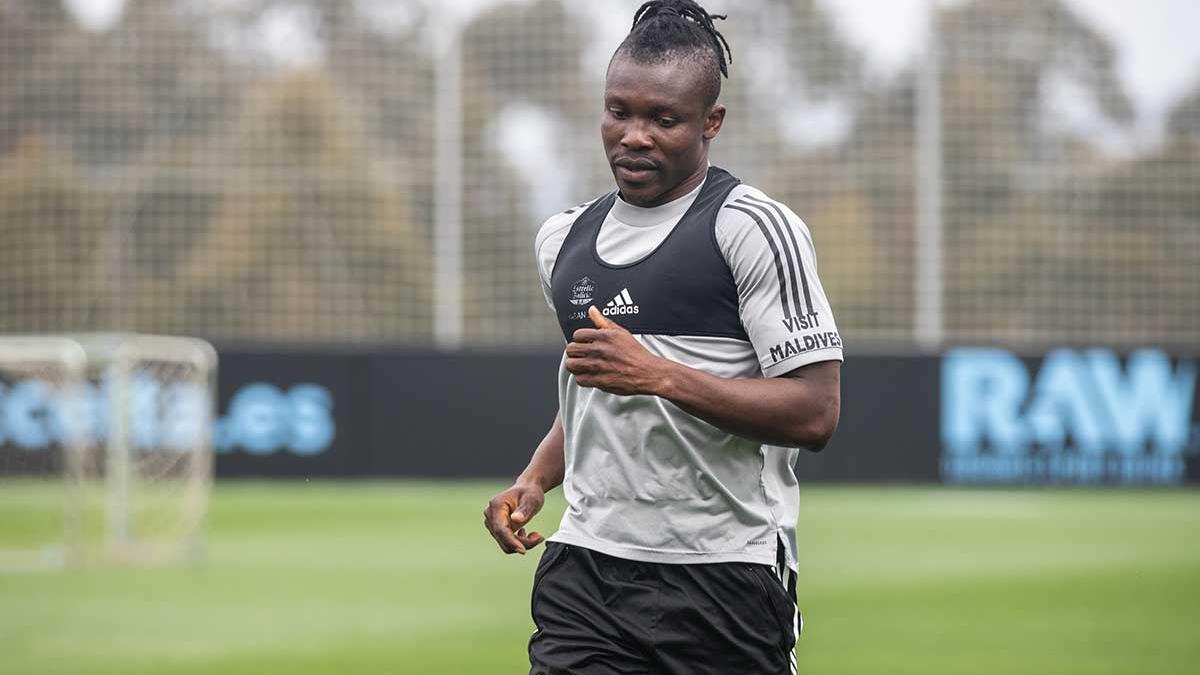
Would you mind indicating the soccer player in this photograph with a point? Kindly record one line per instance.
(701, 354)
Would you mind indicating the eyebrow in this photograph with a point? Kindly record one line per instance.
(655, 109)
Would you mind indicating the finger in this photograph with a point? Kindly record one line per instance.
(527, 509)
(497, 534)
(507, 539)
(531, 540)
(586, 335)
(497, 523)
(599, 319)
(578, 349)
(579, 366)
(584, 369)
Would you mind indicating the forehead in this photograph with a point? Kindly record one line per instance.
(673, 82)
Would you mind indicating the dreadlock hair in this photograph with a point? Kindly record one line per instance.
(680, 29)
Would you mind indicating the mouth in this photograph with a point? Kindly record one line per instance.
(635, 170)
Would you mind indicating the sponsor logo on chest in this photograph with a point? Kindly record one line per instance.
(621, 305)
(582, 292)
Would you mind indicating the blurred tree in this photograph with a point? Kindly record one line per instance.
(107, 95)
(32, 34)
(522, 64)
(1014, 168)
(109, 101)
(1002, 63)
(809, 127)
(327, 226)
(188, 170)
(876, 167)
(386, 64)
(310, 240)
(1183, 124)
(52, 257)
(1145, 221)
(791, 65)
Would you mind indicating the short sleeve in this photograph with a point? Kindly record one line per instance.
(781, 300)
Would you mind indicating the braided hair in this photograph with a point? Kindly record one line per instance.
(680, 29)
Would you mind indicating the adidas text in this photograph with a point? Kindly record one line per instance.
(622, 304)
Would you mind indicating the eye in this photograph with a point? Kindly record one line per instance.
(666, 122)
(617, 113)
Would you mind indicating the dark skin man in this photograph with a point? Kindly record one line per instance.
(657, 128)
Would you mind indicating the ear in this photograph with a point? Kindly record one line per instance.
(713, 122)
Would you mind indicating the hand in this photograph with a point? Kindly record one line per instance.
(609, 358)
(508, 512)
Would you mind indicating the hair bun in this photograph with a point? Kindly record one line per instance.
(694, 17)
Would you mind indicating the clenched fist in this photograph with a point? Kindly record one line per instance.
(609, 358)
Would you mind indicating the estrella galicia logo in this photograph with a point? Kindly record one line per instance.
(263, 419)
(1080, 418)
(163, 416)
(583, 291)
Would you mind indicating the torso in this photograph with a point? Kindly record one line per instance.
(645, 480)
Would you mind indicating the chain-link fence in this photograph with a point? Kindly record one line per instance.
(316, 171)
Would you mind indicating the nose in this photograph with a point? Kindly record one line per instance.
(636, 136)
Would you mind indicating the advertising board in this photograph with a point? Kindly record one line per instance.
(971, 416)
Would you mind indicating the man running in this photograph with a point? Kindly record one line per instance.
(701, 354)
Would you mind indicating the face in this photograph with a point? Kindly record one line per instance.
(657, 128)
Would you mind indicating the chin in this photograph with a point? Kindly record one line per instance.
(633, 195)
(638, 194)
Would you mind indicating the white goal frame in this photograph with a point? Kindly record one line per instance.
(117, 360)
(69, 358)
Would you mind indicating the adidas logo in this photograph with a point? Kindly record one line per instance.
(622, 304)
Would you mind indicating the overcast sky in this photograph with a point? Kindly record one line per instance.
(1159, 53)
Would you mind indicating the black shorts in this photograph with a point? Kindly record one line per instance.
(600, 615)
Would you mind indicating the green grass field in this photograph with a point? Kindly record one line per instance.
(402, 578)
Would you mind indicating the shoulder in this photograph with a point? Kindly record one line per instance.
(553, 232)
(557, 225)
(750, 215)
(746, 205)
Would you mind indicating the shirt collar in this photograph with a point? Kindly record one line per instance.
(641, 216)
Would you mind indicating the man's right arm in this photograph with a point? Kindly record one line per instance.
(508, 512)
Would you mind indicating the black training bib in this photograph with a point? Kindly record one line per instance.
(682, 287)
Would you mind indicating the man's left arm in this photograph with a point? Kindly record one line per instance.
(797, 409)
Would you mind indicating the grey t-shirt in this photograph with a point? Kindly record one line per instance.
(644, 479)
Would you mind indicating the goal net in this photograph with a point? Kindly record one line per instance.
(41, 452)
(105, 449)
